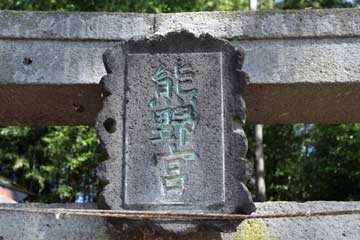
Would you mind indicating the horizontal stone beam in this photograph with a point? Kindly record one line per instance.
(17, 225)
(303, 103)
(232, 25)
(49, 104)
(303, 65)
(78, 104)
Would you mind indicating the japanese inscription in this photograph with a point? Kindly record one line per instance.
(174, 119)
(174, 130)
(171, 127)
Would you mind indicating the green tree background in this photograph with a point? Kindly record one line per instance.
(303, 162)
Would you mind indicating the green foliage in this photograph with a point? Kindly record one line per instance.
(311, 162)
(157, 6)
(266, 4)
(301, 4)
(56, 163)
(150, 6)
(332, 170)
(283, 153)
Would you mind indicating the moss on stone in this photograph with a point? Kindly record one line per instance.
(252, 229)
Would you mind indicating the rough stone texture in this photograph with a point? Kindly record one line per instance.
(290, 47)
(25, 226)
(290, 103)
(74, 25)
(54, 62)
(329, 227)
(155, 174)
(280, 61)
(302, 60)
(241, 25)
(301, 46)
(49, 104)
(265, 24)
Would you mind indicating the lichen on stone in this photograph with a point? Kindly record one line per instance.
(252, 229)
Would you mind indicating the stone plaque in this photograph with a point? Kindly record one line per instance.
(171, 126)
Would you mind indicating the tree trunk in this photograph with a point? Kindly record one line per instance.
(260, 164)
(253, 5)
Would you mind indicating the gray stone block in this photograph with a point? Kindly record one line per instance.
(325, 23)
(294, 59)
(74, 25)
(305, 228)
(171, 125)
(29, 226)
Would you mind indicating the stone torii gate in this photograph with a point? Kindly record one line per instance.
(303, 67)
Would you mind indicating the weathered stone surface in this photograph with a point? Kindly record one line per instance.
(26, 226)
(292, 49)
(290, 103)
(329, 227)
(171, 124)
(240, 25)
(49, 104)
(75, 26)
(291, 42)
(302, 60)
(280, 61)
(56, 62)
(265, 24)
